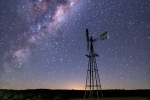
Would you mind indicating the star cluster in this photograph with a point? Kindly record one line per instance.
(43, 43)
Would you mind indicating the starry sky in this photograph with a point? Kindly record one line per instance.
(43, 43)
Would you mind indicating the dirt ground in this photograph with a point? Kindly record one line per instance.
(118, 98)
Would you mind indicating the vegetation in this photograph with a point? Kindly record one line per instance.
(45, 94)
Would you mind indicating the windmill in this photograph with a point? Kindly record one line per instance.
(93, 84)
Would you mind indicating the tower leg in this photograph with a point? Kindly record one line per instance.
(92, 80)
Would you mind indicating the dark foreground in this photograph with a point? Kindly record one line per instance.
(45, 94)
(119, 98)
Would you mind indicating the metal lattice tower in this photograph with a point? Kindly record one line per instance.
(93, 85)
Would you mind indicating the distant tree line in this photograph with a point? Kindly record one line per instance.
(45, 94)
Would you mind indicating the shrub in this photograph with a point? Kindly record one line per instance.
(18, 97)
(7, 96)
(57, 98)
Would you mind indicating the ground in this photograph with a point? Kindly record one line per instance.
(118, 98)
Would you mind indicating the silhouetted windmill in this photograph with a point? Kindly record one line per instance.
(93, 84)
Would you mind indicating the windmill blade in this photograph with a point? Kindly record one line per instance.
(87, 35)
(87, 38)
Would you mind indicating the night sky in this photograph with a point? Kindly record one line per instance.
(43, 43)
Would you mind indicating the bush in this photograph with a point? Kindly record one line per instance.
(18, 97)
(57, 98)
(7, 96)
(35, 98)
(40, 97)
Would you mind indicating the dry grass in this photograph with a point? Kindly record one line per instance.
(118, 98)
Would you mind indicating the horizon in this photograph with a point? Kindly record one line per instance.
(70, 89)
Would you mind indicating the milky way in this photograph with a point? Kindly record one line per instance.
(43, 43)
(44, 24)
